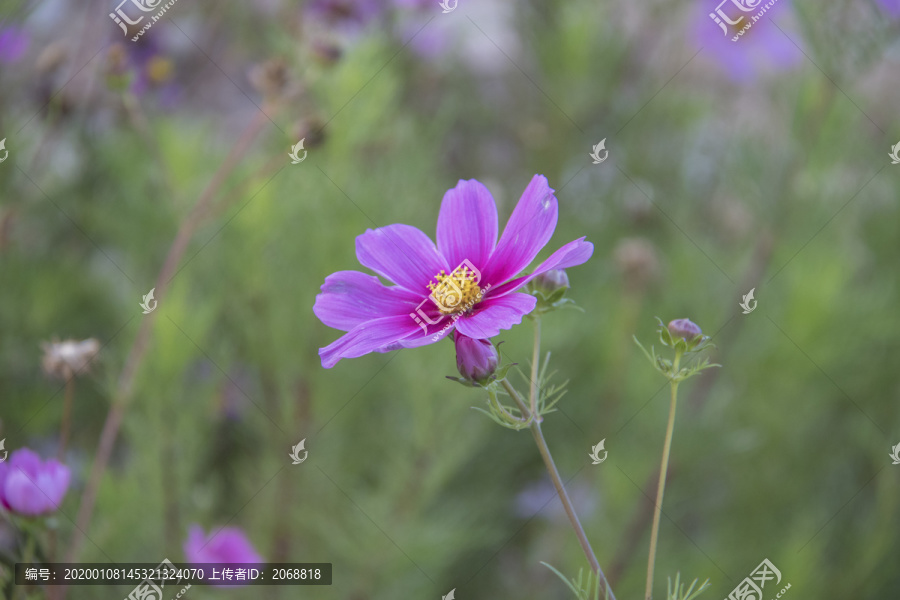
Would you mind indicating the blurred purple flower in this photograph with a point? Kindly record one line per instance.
(229, 545)
(425, 37)
(13, 44)
(153, 72)
(892, 7)
(762, 47)
(30, 486)
(429, 40)
(466, 282)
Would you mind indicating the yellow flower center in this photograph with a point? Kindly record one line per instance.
(159, 69)
(456, 292)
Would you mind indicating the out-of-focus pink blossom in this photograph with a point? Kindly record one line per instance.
(30, 486)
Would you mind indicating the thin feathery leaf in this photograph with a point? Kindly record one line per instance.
(565, 579)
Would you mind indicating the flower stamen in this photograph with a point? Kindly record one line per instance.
(457, 292)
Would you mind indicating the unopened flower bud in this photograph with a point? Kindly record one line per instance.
(684, 328)
(476, 359)
(551, 281)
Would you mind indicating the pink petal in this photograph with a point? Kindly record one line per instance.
(27, 460)
(232, 546)
(53, 480)
(227, 545)
(496, 314)
(467, 225)
(349, 298)
(435, 333)
(4, 471)
(370, 336)
(529, 229)
(574, 253)
(193, 546)
(401, 254)
(23, 496)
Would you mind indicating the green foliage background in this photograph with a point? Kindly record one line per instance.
(782, 185)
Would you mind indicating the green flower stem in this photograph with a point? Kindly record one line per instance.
(28, 554)
(664, 467)
(561, 490)
(499, 408)
(535, 358)
(515, 396)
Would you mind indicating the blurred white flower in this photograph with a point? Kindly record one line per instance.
(69, 357)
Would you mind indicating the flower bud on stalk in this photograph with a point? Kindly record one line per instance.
(551, 281)
(686, 338)
(476, 360)
(684, 328)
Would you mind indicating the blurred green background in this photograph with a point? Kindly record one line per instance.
(721, 177)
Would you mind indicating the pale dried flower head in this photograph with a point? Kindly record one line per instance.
(69, 357)
(636, 259)
(270, 77)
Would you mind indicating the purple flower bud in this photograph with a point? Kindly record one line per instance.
(552, 280)
(684, 328)
(30, 486)
(476, 359)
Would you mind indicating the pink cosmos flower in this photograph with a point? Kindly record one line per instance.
(30, 486)
(229, 545)
(468, 282)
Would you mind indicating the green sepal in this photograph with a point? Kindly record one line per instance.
(549, 302)
(462, 381)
